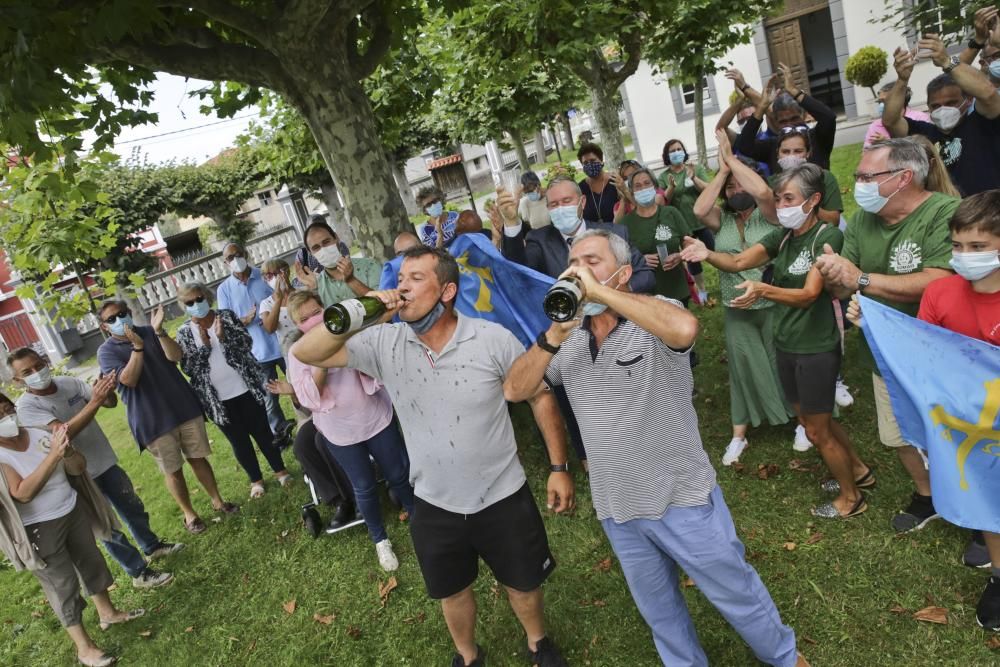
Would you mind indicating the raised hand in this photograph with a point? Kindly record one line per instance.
(345, 269)
(59, 444)
(903, 62)
(787, 80)
(103, 386)
(219, 331)
(134, 338)
(725, 148)
(203, 333)
(156, 319)
(248, 318)
(984, 23)
(736, 77)
(935, 48)
(305, 275)
(507, 205)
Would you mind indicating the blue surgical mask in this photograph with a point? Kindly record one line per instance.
(565, 218)
(435, 209)
(534, 196)
(676, 157)
(995, 69)
(868, 197)
(593, 169)
(424, 324)
(880, 109)
(645, 196)
(118, 328)
(199, 309)
(975, 266)
(589, 308)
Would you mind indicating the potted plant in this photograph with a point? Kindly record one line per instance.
(866, 67)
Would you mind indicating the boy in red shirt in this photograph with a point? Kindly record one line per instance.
(969, 303)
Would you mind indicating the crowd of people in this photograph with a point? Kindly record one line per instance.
(421, 398)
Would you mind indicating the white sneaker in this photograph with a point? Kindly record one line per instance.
(843, 395)
(801, 443)
(733, 451)
(703, 297)
(386, 556)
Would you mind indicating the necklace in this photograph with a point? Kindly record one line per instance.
(597, 202)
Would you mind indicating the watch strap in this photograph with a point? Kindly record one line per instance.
(973, 44)
(543, 343)
(561, 467)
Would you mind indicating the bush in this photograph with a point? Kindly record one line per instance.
(559, 169)
(866, 67)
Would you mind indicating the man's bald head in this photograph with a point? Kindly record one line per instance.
(404, 241)
(468, 222)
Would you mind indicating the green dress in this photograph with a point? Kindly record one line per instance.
(667, 227)
(755, 394)
(685, 192)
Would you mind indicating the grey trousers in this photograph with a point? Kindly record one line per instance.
(71, 556)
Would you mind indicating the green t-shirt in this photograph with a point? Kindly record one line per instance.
(803, 330)
(685, 192)
(919, 241)
(667, 227)
(831, 201)
(333, 291)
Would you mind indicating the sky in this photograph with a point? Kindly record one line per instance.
(193, 136)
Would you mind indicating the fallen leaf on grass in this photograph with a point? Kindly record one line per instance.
(146, 634)
(252, 646)
(688, 582)
(284, 533)
(603, 565)
(932, 615)
(289, 606)
(898, 609)
(217, 519)
(765, 471)
(993, 643)
(385, 589)
(36, 614)
(809, 640)
(353, 632)
(814, 538)
(738, 467)
(419, 618)
(325, 620)
(189, 628)
(789, 546)
(600, 603)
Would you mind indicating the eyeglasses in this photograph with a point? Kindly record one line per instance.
(271, 274)
(111, 318)
(197, 299)
(229, 258)
(863, 177)
(629, 163)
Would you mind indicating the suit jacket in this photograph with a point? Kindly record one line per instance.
(545, 250)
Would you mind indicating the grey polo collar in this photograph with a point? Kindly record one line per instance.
(463, 332)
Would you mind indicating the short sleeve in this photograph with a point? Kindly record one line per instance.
(936, 245)
(266, 305)
(364, 350)
(772, 242)
(831, 235)
(852, 251)
(702, 173)
(33, 413)
(108, 358)
(505, 349)
(929, 130)
(928, 305)
(371, 273)
(832, 201)
(83, 388)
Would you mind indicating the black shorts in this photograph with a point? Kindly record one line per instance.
(810, 380)
(509, 535)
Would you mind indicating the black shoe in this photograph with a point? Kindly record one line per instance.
(310, 519)
(988, 609)
(283, 436)
(546, 654)
(917, 514)
(458, 661)
(344, 517)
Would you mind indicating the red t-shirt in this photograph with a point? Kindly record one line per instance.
(953, 304)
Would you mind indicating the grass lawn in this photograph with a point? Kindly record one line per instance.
(848, 589)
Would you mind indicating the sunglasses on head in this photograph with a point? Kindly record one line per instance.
(794, 128)
(111, 318)
(197, 299)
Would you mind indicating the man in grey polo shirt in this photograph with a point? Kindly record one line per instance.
(445, 374)
(626, 372)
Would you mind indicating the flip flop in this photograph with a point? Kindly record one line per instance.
(829, 510)
(130, 616)
(866, 481)
(195, 526)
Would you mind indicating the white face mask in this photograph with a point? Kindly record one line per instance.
(9, 426)
(590, 308)
(790, 162)
(237, 265)
(40, 380)
(273, 282)
(793, 217)
(946, 118)
(975, 266)
(328, 256)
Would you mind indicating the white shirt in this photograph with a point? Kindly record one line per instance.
(286, 328)
(57, 498)
(227, 382)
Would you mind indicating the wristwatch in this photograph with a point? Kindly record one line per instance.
(955, 61)
(562, 467)
(543, 343)
(973, 44)
(864, 280)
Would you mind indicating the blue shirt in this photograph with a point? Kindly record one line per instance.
(162, 400)
(241, 299)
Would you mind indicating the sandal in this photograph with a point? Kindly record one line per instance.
(228, 508)
(286, 479)
(104, 661)
(195, 526)
(830, 511)
(130, 616)
(256, 490)
(866, 481)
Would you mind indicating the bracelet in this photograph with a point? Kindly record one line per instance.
(161, 333)
(138, 349)
(973, 44)
(543, 343)
(744, 87)
(801, 93)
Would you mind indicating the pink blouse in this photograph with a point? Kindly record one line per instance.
(351, 408)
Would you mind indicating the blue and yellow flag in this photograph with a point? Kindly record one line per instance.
(492, 287)
(945, 392)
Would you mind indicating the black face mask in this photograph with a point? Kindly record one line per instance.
(741, 201)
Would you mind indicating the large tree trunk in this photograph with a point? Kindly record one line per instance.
(342, 122)
(522, 155)
(699, 123)
(539, 147)
(567, 130)
(555, 141)
(605, 114)
(339, 219)
(405, 191)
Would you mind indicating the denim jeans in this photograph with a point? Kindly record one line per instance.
(275, 417)
(116, 486)
(701, 540)
(386, 447)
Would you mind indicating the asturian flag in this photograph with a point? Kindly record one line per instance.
(945, 393)
(491, 287)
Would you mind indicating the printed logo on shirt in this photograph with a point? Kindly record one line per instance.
(950, 150)
(77, 398)
(663, 233)
(906, 257)
(45, 444)
(802, 263)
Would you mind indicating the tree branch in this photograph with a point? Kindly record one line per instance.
(633, 55)
(362, 65)
(226, 13)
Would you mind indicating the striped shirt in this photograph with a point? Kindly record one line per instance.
(632, 399)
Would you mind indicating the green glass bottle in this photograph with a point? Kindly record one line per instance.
(353, 314)
(562, 300)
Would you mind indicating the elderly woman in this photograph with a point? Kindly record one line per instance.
(599, 191)
(50, 511)
(532, 209)
(273, 311)
(213, 348)
(806, 335)
(626, 202)
(353, 414)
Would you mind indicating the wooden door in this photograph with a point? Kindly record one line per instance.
(784, 42)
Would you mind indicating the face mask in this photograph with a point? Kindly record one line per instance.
(424, 324)
(118, 328)
(435, 210)
(564, 218)
(790, 162)
(307, 324)
(975, 266)
(328, 256)
(9, 426)
(946, 118)
(676, 157)
(198, 309)
(793, 217)
(867, 196)
(273, 282)
(645, 196)
(880, 109)
(741, 201)
(995, 69)
(534, 196)
(238, 265)
(590, 308)
(39, 380)
(593, 169)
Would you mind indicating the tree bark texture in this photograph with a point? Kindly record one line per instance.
(699, 123)
(517, 139)
(339, 219)
(567, 131)
(605, 114)
(405, 191)
(539, 147)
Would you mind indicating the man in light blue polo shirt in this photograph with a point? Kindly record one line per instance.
(242, 293)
